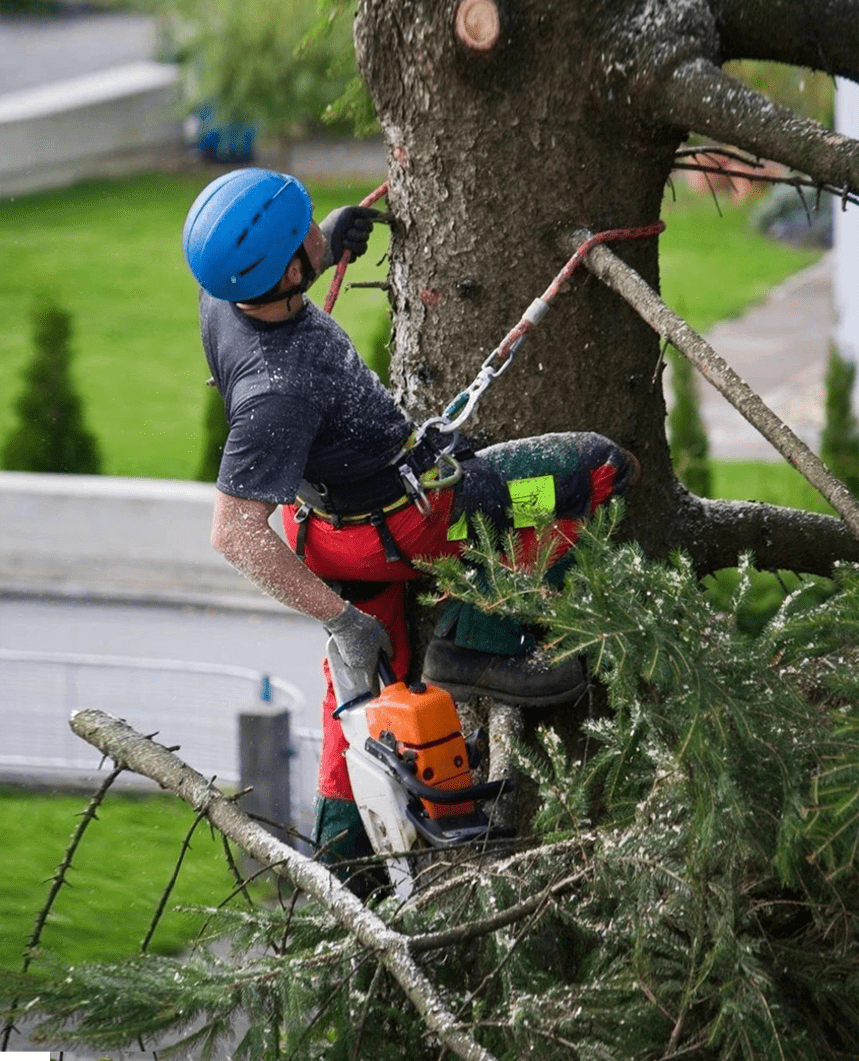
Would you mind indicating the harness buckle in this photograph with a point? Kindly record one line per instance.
(414, 489)
(444, 481)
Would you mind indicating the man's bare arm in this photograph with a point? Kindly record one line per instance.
(242, 534)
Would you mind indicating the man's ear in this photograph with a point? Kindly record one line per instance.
(294, 272)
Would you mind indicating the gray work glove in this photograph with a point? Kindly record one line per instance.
(359, 639)
(348, 229)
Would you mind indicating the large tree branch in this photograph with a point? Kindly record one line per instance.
(823, 35)
(136, 752)
(717, 533)
(617, 275)
(700, 97)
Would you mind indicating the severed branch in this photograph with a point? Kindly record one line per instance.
(136, 752)
(797, 182)
(463, 933)
(624, 280)
(700, 97)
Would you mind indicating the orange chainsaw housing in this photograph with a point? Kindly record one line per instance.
(425, 726)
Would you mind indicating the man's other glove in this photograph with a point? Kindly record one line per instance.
(359, 638)
(348, 229)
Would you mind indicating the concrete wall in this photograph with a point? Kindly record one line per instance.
(115, 120)
(115, 539)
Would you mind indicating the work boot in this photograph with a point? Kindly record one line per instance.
(525, 681)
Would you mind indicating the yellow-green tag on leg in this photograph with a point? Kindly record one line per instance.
(532, 499)
(456, 532)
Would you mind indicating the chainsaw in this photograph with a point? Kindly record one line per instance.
(410, 767)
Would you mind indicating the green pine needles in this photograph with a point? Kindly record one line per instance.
(690, 888)
(719, 814)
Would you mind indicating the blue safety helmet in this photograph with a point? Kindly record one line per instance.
(243, 230)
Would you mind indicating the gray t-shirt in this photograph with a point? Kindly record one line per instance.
(300, 402)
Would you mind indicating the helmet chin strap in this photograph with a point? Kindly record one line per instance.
(278, 294)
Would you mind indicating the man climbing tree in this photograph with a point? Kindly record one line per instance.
(365, 492)
(697, 897)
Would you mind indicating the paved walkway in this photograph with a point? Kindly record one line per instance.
(781, 349)
(40, 50)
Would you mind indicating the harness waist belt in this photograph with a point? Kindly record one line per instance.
(383, 491)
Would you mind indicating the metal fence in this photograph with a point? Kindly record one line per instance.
(195, 706)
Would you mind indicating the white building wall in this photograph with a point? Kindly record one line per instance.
(845, 285)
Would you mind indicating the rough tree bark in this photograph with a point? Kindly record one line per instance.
(510, 124)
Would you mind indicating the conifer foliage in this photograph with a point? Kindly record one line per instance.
(215, 431)
(840, 439)
(687, 435)
(690, 887)
(51, 435)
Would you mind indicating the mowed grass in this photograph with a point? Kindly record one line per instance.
(124, 863)
(714, 266)
(110, 253)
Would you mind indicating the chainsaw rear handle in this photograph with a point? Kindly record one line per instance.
(386, 671)
(396, 766)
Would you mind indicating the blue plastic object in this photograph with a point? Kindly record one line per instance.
(230, 142)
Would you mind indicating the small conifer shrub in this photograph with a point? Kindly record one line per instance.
(215, 431)
(687, 436)
(51, 435)
(839, 442)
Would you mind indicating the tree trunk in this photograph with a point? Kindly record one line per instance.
(510, 124)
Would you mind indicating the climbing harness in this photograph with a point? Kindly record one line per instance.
(447, 468)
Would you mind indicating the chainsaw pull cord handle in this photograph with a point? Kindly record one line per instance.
(340, 271)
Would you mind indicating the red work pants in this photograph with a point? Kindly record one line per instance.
(355, 552)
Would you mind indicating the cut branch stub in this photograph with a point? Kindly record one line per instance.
(478, 24)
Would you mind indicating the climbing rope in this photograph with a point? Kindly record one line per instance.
(501, 358)
(340, 271)
(463, 405)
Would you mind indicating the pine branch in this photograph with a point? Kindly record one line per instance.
(118, 740)
(59, 879)
(622, 279)
(168, 890)
(703, 98)
(503, 919)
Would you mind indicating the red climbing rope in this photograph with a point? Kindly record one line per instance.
(539, 306)
(340, 271)
(501, 357)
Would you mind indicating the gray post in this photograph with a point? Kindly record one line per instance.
(264, 754)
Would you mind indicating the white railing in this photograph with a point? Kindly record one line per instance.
(193, 705)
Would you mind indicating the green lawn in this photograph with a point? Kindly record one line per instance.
(123, 864)
(774, 483)
(713, 267)
(109, 251)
